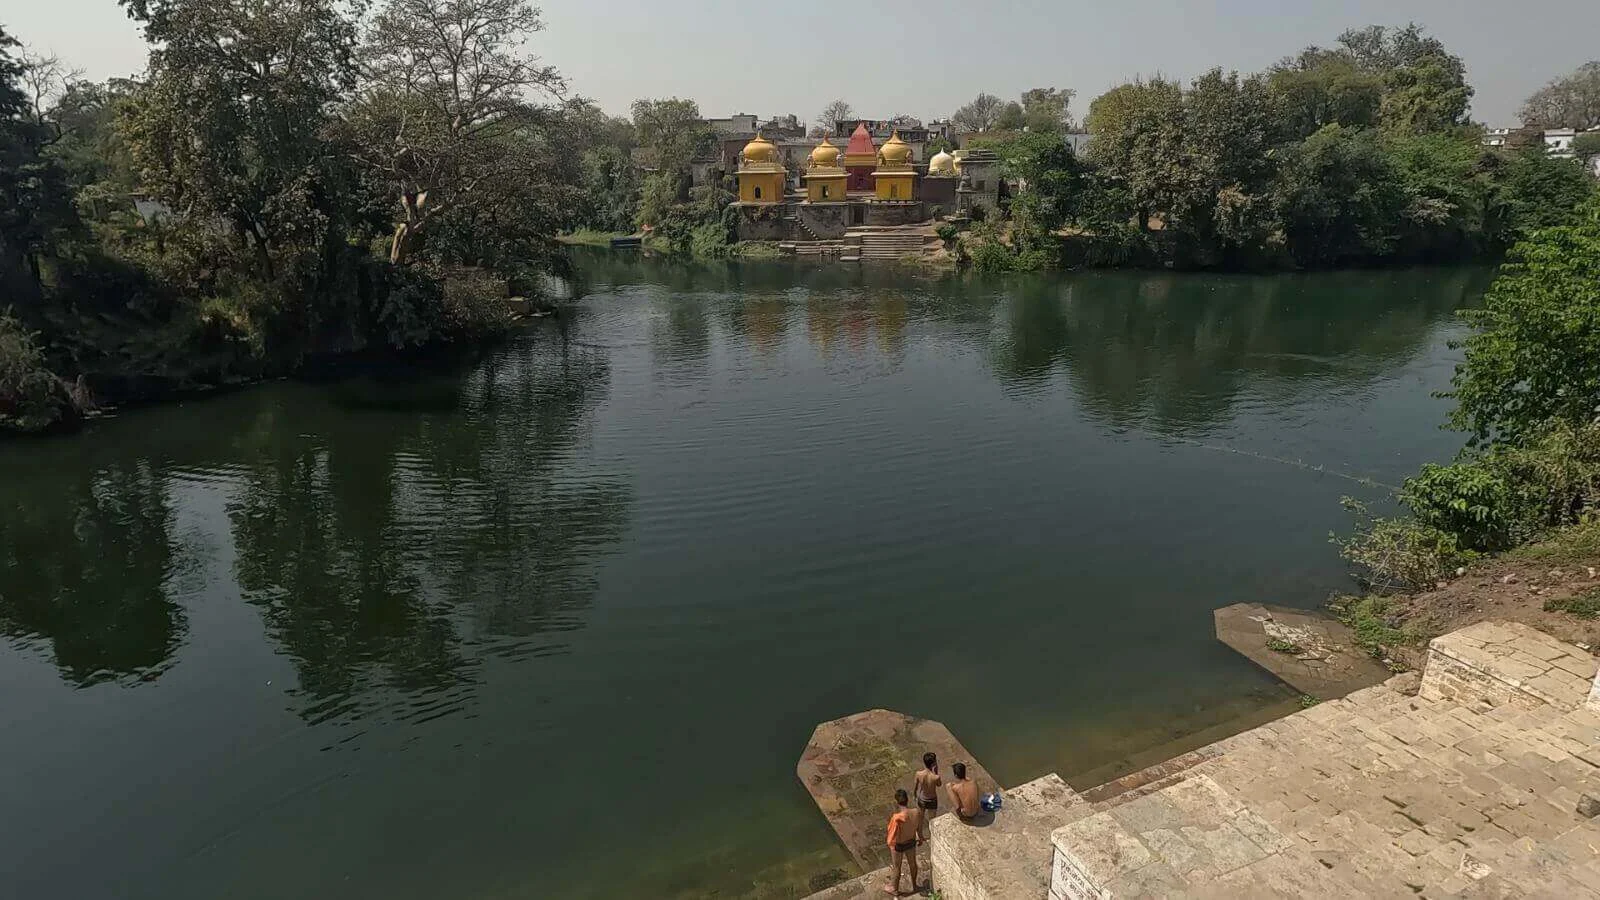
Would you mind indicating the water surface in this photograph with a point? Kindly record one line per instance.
(558, 622)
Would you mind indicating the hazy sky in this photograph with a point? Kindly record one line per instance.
(926, 57)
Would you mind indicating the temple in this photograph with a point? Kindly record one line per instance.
(864, 185)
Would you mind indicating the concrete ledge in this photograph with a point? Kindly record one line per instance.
(1507, 663)
(1007, 854)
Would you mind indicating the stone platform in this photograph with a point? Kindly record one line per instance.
(853, 765)
(1456, 783)
(1479, 777)
(1312, 653)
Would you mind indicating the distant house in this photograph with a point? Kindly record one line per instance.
(1558, 141)
(736, 124)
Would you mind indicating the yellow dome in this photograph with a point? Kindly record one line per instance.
(942, 163)
(760, 150)
(895, 152)
(825, 155)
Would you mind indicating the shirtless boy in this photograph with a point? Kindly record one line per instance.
(926, 784)
(963, 793)
(903, 827)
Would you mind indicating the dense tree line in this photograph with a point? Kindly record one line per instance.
(1354, 154)
(285, 181)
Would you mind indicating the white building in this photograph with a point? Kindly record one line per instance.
(1558, 141)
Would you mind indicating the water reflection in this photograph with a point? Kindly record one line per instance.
(391, 530)
(85, 558)
(1174, 352)
(390, 550)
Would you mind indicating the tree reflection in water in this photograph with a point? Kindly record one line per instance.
(1173, 352)
(85, 558)
(389, 550)
(392, 531)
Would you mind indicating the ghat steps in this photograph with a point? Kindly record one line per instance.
(1481, 777)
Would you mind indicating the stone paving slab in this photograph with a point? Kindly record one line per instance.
(1312, 653)
(1402, 789)
(852, 766)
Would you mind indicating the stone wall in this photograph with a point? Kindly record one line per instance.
(939, 195)
(825, 221)
(763, 221)
(1502, 663)
(895, 212)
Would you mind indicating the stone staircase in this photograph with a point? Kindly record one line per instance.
(1478, 778)
(813, 248)
(889, 242)
(998, 856)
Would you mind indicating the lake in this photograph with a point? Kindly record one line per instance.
(558, 621)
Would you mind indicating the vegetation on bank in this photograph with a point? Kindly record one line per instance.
(328, 180)
(1355, 155)
(1527, 487)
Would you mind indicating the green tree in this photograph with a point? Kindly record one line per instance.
(1586, 146)
(1424, 85)
(979, 115)
(1540, 190)
(1046, 109)
(1338, 198)
(1139, 144)
(35, 200)
(1228, 125)
(1453, 206)
(1322, 87)
(670, 132)
(1010, 117)
(1053, 180)
(1572, 101)
(230, 125)
(1534, 355)
(444, 119)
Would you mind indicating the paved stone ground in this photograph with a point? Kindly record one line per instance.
(1386, 793)
(853, 765)
(1465, 781)
(1325, 663)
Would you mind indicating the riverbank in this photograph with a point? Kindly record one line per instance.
(55, 387)
(1552, 585)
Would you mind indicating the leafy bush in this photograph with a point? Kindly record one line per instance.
(1534, 355)
(1468, 500)
(32, 398)
(1400, 554)
(948, 232)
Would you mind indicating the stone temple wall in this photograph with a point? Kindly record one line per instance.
(763, 222)
(939, 195)
(824, 221)
(896, 212)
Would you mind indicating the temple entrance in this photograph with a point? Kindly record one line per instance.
(858, 215)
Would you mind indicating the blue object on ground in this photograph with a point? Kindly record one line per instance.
(990, 802)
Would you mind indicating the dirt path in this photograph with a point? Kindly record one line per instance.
(1519, 586)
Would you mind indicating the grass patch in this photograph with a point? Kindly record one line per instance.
(1577, 543)
(588, 237)
(1307, 701)
(1375, 626)
(1585, 605)
(757, 250)
(1282, 646)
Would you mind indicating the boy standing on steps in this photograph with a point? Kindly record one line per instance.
(903, 827)
(927, 784)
